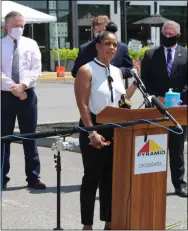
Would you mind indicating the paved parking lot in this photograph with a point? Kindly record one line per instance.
(25, 209)
(30, 209)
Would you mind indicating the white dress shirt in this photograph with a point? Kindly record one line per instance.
(29, 62)
(173, 50)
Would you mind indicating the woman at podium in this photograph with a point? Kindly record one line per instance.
(98, 84)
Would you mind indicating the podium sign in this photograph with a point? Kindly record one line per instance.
(150, 156)
(139, 168)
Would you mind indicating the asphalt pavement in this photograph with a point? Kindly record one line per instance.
(56, 102)
(25, 209)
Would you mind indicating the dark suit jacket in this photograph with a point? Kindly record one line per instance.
(88, 52)
(154, 72)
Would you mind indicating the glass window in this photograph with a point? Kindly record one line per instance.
(135, 13)
(63, 5)
(63, 16)
(85, 14)
(52, 5)
(178, 14)
(53, 12)
(134, 31)
(34, 4)
(59, 32)
(63, 19)
(52, 28)
(94, 10)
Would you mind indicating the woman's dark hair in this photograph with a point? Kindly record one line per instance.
(112, 27)
(101, 36)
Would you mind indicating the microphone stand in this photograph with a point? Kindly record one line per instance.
(60, 146)
(57, 159)
(145, 95)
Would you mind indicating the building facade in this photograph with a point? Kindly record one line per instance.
(137, 10)
(94, 8)
(44, 33)
(172, 10)
(74, 22)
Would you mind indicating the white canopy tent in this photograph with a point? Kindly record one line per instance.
(30, 15)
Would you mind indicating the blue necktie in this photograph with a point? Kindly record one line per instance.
(169, 61)
(15, 63)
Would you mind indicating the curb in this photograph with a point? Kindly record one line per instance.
(52, 76)
(47, 143)
(65, 122)
(43, 79)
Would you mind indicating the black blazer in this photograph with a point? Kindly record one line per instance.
(88, 52)
(154, 72)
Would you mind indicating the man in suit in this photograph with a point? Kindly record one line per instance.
(162, 68)
(88, 51)
(20, 69)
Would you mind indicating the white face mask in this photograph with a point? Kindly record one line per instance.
(16, 32)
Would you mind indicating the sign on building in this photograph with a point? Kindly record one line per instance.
(59, 29)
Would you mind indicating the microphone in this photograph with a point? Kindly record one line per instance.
(163, 109)
(138, 79)
(141, 87)
(124, 102)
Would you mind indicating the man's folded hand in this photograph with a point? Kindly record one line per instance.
(17, 89)
(23, 96)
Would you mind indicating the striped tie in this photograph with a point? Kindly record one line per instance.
(15, 63)
(169, 61)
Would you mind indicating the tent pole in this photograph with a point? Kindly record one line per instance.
(32, 32)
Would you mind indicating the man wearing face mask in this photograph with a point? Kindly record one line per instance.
(162, 68)
(88, 52)
(20, 68)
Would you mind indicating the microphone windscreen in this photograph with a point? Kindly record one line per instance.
(124, 102)
(159, 105)
(133, 71)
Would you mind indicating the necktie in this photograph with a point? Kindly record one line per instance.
(169, 61)
(15, 63)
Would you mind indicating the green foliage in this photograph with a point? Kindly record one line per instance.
(138, 55)
(65, 54)
(134, 54)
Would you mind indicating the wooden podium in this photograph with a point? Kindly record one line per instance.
(138, 200)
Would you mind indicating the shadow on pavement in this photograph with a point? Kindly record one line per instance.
(168, 194)
(15, 188)
(171, 194)
(64, 189)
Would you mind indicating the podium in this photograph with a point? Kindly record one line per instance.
(140, 168)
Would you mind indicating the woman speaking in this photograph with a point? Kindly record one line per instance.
(98, 84)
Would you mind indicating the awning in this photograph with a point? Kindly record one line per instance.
(30, 15)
